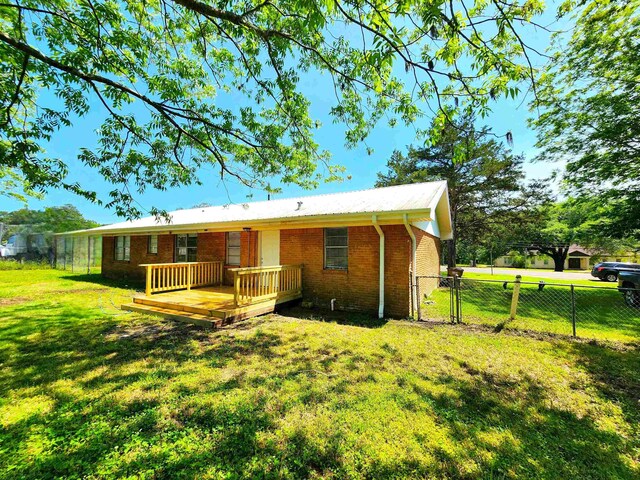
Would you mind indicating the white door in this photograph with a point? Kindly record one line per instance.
(270, 248)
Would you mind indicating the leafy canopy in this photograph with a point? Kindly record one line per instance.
(185, 84)
(589, 104)
(487, 192)
(49, 220)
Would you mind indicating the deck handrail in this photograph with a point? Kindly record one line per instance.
(256, 284)
(162, 277)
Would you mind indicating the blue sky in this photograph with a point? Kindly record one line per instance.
(507, 115)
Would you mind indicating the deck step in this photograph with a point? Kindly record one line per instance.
(182, 316)
(176, 306)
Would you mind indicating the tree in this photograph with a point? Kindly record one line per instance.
(589, 105)
(556, 227)
(14, 186)
(185, 84)
(50, 220)
(485, 180)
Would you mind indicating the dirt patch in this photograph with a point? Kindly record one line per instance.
(6, 302)
(154, 331)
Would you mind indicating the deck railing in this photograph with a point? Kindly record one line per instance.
(162, 277)
(256, 284)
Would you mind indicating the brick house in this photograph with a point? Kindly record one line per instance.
(353, 251)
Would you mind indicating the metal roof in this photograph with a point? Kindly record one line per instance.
(401, 198)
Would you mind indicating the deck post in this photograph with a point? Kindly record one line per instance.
(188, 277)
(236, 288)
(147, 290)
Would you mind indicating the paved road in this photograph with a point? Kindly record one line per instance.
(533, 272)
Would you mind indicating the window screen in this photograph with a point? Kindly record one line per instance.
(186, 247)
(123, 248)
(233, 248)
(336, 250)
(153, 244)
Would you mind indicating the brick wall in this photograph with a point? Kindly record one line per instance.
(428, 249)
(211, 246)
(354, 289)
(129, 270)
(357, 287)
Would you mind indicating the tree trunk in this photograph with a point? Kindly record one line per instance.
(559, 256)
(451, 253)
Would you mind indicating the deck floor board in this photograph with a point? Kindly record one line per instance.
(216, 302)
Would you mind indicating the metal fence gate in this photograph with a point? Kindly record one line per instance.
(601, 312)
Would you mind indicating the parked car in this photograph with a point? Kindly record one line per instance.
(629, 286)
(608, 271)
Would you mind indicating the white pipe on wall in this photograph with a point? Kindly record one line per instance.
(374, 219)
(414, 292)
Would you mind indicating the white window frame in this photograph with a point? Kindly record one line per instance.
(152, 245)
(332, 233)
(233, 247)
(122, 248)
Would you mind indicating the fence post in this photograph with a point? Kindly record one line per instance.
(450, 282)
(88, 255)
(456, 283)
(573, 309)
(514, 297)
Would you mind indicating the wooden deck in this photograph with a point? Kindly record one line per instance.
(205, 306)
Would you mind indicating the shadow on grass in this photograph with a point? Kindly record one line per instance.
(97, 278)
(505, 425)
(355, 319)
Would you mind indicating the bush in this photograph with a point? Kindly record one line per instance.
(519, 261)
(13, 264)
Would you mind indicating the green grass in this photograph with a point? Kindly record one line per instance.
(600, 309)
(86, 392)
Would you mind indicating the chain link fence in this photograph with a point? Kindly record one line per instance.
(597, 312)
(78, 253)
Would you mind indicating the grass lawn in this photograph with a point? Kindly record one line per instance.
(600, 309)
(89, 392)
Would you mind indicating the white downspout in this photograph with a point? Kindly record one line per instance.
(414, 292)
(374, 219)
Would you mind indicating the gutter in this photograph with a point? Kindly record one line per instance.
(414, 292)
(374, 220)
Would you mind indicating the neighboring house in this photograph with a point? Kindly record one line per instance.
(352, 251)
(579, 258)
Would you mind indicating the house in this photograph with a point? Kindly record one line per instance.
(578, 258)
(358, 250)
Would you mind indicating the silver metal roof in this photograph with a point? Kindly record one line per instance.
(401, 198)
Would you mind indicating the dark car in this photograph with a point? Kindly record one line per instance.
(629, 286)
(608, 271)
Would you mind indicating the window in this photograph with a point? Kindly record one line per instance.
(123, 248)
(152, 246)
(336, 249)
(546, 261)
(186, 247)
(507, 260)
(233, 248)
